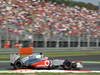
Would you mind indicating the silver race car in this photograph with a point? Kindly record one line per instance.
(36, 60)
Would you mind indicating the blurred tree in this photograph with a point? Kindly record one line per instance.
(74, 3)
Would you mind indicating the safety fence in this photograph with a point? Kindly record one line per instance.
(48, 44)
(41, 41)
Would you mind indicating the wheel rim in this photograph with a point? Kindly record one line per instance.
(18, 65)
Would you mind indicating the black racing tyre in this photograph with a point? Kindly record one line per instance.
(67, 65)
(74, 65)
(18, 64)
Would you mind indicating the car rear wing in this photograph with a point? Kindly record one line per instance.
(25, 51)
(22, 52)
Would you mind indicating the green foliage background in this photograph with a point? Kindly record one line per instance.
(73, 3)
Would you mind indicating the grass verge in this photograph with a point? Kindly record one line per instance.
(12, 74)
(55, 54)
(67, 73)
(50, 73)
(72, 53)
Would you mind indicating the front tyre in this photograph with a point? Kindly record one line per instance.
(74, 66)
(67, 65)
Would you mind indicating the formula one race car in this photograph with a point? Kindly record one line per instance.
(36, 60)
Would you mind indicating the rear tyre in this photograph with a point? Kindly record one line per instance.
(18, 64)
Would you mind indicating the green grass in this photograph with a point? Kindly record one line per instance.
(50, 74)
(11, 74)
(67, 74)
(55, 54)
(4, 57)
(72, 53)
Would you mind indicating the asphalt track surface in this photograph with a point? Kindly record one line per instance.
(87, 66)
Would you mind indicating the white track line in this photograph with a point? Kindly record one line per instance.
(52, 71)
